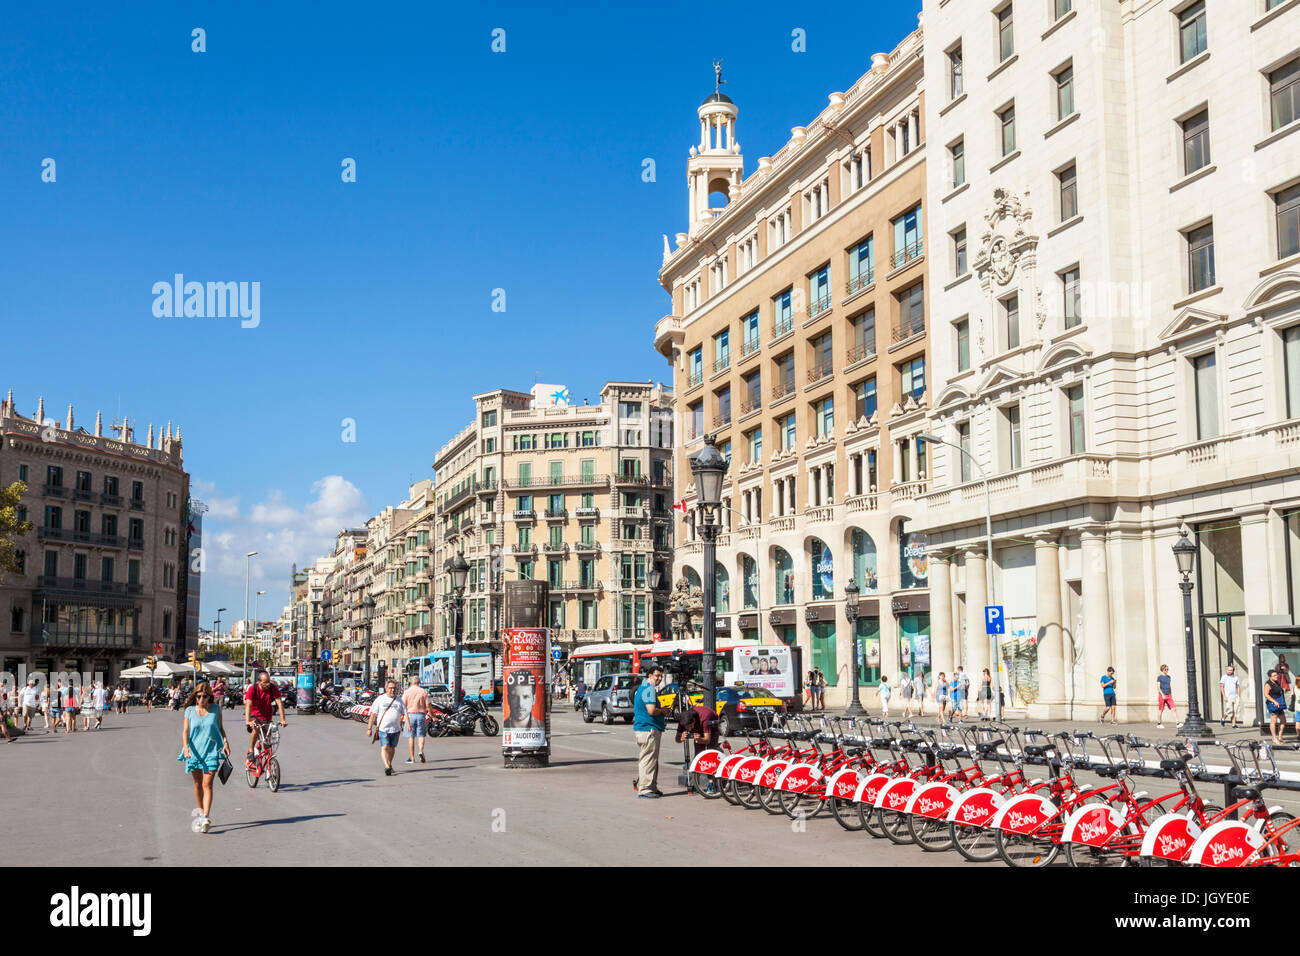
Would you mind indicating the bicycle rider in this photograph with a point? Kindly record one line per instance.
(258, 700)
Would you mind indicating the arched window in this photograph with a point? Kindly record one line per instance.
(784, 576)
(864, 563)
(823, 570)
(722, 591)
(693, 579)
(749, 578)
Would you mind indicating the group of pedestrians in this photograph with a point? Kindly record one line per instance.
(952, 696)
(59, 707)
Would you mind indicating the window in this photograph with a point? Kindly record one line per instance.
(721, 355)
(1207, 396)
(1284, 93)
(782, 314)
(959, 252)
(489, 445)
(1196, 142)
(54, 476)
(962, 328)
(1191, 31)
(1064, 92)
(1067, 184)
(79, 567)
(957, 157)
(1011, 321)
(525, 474)
(1074, 411)
(697, 419)
(83, 481)
(1070, 295)
(864, 399)
(694, 367)
(861, 265)
(824, 418)
(786, 432)
(863, 328)
(137, 491)
(753, 399)
(52, 564)
(784, 375)
(633, 409)
(1287, 203)
(81, 521)
(723, 399)
(749, 324)
(1291, 362)
(133, 571)
(22, 473)
(817, 201)
(1200, 258)
(1061, 7)
(963, 443)
(911, 312)
(1011, 436)
(719, 273)
(822, 360)
(779, 228)
(16, 619)
(1007, 120)
(489, 419)
(754, 440)
(784, 576)
(108, 525)
(956, 85)
(53, 517)
(1006, 38)
(819, 291)
(907, 237)
(911, 376)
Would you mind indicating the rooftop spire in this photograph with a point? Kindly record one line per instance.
(40, 410)
(99, 424)
(69, 416)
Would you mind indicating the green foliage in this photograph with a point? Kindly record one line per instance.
(10, 527)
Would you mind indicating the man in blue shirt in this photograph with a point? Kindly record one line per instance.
(1108, 694)
(648, 723)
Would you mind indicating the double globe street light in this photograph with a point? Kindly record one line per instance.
(458, 568)
(709, 467)
(1185, 555)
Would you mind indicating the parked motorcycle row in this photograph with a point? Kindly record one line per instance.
(459, 721)
(966, 788)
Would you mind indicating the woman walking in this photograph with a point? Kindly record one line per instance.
(204, 744)
(70, 708)
(986, 693)
(87, 704)
(45, 706)
(941, 695)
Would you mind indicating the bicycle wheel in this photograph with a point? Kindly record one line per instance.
(977, 844)
(768, 799)
(706, 785)
(894, 823)
(1078, 855)
(1026, 851)
(870, 822)
(845, 813)
(793, 803)
(928, 833)
(746, 794)
(726, 788)
(250, 777)
(273, 775)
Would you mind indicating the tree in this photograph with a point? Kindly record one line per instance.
(10, 527)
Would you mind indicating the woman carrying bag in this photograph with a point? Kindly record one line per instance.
(205, 750)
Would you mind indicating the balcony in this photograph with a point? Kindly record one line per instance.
(556, 514)
(83, 494)
(137, 504)
(631, 479)
(782, 389)
(110, 501)
(783, 327)
(860, 353)
(910, 252)
(819, 515)
(58, 636)
(583, 585)
(722, 364)
(54, 491)
(524, 550)
(749, 348)
(560, 548)
(135, 544)
(820, 371)
(818, 307)
(586, 547)
(856, 503)
(859, 282)
(693, 379)
(751, 405)
(559, 481)
(721, 419)
(633, 513)
(82, 585)
(909, 328)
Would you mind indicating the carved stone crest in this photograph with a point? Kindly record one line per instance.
(1007, 236)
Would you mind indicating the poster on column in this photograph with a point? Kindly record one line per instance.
(523, 717)
(914, 566)
(765, 666)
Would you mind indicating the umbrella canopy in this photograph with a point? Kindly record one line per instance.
(220, 669)
(165, 669)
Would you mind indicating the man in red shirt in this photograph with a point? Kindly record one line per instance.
(257, 706)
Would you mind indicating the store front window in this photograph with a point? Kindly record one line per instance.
(823, 650)
(913, 566)
(864, 562)
(749, 575)
(868, 636)
(823, 570)
(722, 591)
(914, 645)
(1224, 639)
(784, 576)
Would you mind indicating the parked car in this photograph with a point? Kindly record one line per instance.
(610, 697)
(439, 695)
(739, 707)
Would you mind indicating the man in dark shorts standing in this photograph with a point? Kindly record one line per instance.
(258, 700)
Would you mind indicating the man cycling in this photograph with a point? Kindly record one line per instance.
(257, 707)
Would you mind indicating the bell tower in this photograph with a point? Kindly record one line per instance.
(716, 164)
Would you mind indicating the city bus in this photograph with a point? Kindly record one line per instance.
(478, 669)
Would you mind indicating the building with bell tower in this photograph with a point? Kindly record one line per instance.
(716, 164)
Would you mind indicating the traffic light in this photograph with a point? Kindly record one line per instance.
(194, 659)
(150, 663)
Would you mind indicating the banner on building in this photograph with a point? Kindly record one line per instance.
(523, 717)
(765, 666)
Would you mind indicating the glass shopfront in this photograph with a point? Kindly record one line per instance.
(868, 637)
(823, 650)
(1222, 595)
(914, 645)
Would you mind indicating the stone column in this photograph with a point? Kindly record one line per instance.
(1051, 663)
(1096, 613)
(942, 652)
(977, 595)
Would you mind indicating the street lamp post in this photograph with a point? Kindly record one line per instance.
(257, 612)
(855, 708)
(655, 578)
(369, 605)
(243, 664)
(458, 568)
(994, 660)
(216, 632)
(709, 467)
(1185, 555)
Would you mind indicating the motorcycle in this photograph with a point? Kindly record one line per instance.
(577, 700)
(461, 722)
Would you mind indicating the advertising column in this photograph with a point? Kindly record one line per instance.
(306, 687)
(525, 718)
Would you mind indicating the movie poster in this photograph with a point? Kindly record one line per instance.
(767, 666)
(523, 717)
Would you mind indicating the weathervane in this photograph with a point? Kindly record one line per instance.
(717, 76)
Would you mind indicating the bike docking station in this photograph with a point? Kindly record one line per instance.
(526, 704)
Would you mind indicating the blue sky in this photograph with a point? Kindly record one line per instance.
(475, 171)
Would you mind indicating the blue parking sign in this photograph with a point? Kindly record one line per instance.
(995, 621)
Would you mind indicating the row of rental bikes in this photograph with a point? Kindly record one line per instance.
(975, 789)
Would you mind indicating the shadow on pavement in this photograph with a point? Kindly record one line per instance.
(264, 823)
(594, 760)
(316, 784)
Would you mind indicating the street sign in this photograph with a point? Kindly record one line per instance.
(556, 653)
(325, 654)
(655, 637)
(995, 621)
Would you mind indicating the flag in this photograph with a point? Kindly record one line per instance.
(680, 506)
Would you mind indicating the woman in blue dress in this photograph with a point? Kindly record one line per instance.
(204, 744)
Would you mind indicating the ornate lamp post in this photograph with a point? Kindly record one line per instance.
(655, 578)
(1185, 555)
(681, 622)
(855, 708)
(709, 467)
(369, 605)
(458, 568)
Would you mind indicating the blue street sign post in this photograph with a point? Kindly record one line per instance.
(325, 654)
(995, 620)
(556, 653)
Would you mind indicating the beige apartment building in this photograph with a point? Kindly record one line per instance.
(576, 495)
(102, 579)
(799, 337)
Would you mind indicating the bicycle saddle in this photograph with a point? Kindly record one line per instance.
(1245, 793)
(988, 747)
(1032, 751)
(1172, 765)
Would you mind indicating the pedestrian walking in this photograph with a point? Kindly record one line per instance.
(70, 708)
(821, 689)
(986, 694)
(416, 722)
(885, 692)
(148, 697)
(1230, 688)
(4, 712)
(45, 706)
(1284, 678)
(1165, 697)
(905, 691)
(941, 695)
(1275, 702)
(56, 706)
(385, 724)
(28, 700)
(648, 723)
(87, 701)
(204, 746)
(219, 693)
(1108, 695)
(959, 684)
(918, 692)
(99, 696)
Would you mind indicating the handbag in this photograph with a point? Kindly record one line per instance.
(226, 769)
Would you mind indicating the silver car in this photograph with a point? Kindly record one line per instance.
(611, 697)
